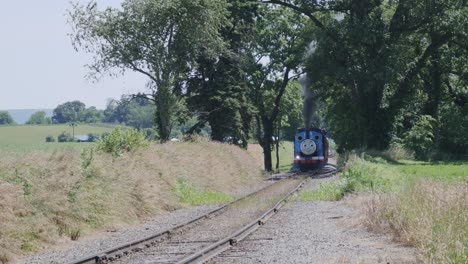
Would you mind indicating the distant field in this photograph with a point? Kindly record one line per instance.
(20, 139)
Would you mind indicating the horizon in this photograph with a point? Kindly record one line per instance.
(40, 69)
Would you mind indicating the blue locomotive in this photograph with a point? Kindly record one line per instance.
(310, 149)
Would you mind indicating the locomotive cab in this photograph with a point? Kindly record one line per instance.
(310, 149)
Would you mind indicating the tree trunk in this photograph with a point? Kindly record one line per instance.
(277, 155)
(267, 140)
(277, 142)
(166, 104)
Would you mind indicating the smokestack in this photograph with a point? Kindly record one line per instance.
(309, 105)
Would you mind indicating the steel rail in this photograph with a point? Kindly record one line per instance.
(137, 245)
(226, 243)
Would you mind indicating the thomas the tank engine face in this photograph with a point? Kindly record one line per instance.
(308, 147)
(310, 151)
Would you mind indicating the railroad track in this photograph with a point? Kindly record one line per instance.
(208, 235)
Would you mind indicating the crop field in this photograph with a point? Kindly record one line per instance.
(21, 139)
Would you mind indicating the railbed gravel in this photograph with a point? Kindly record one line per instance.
(87, 247)
(316, 232)
(212, 230)
(73, 250)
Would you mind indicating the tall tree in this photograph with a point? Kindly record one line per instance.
(157, 38)
(277, 53)
(217, 88)
(39, 118)
(68, 112)
(370, 57)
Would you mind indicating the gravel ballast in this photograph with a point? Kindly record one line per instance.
(316, 232)
(67, 251)
(79, 249)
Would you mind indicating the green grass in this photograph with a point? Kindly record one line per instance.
(286, 152)
(328, 191)
(378, 175)
(22, 139)
(191, 195)
(421, 204)
(443, 171)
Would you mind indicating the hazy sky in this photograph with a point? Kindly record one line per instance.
(39, 67)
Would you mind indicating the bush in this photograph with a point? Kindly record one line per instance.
(65, 137)
(420, 137)
(50, 139)
(119, 142)
(397, 151)
(104, 135)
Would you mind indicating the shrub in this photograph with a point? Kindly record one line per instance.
(65, 137)
(420, 137)
(150, 133)
(50, 139)
(119, 142)
(397, 151)
(104, 135)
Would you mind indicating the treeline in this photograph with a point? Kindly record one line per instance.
(380, 72)
(129, 110)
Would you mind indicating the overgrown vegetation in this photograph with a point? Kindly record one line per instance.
(118, 142)
(380, 73)
(45, 196)
(421, 204)
(429, 214)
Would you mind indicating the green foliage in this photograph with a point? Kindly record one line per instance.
(118, 142)
(39, 118)
(420, 138)
(136, 111)
(277, 52)
(158, 38)
(6, 119)
(191, 195)
(65, 137)
(50, 139)
(68, 112)
(377, 60)
(453, 131)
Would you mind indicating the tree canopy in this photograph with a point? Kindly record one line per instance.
(157, 38)
(6, 119)
(39, 118)
(381, 72)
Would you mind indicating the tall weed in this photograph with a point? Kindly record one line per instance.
(428, 214)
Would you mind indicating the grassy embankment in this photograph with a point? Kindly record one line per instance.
(420, 204)
(50, 195)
